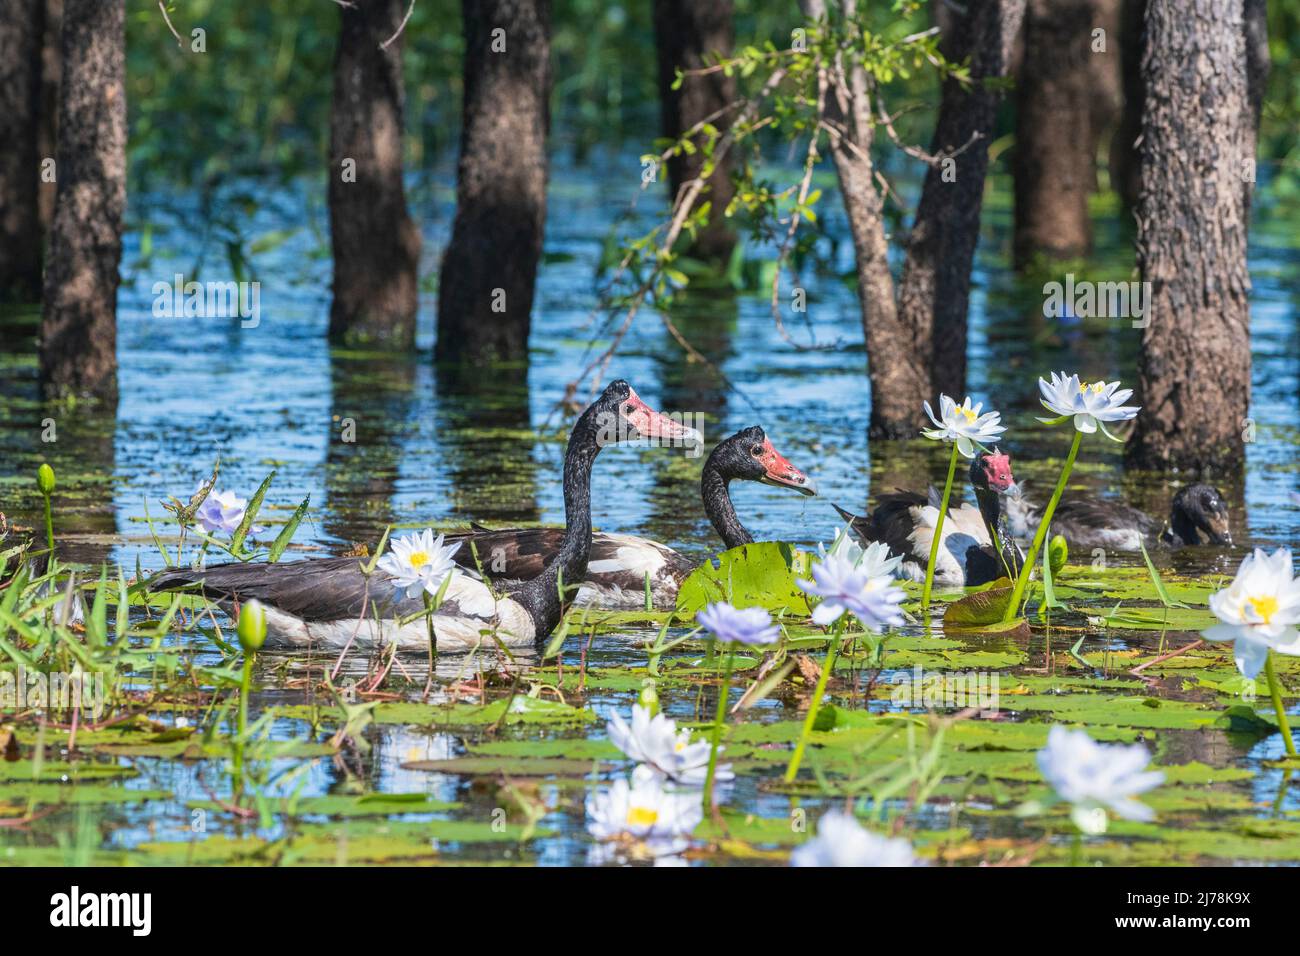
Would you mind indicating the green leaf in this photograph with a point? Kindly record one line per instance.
(286, 533)
(753, 575)
(250, 513)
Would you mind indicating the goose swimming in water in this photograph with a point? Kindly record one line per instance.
(1197, 515)
(330, 602)
(620, 563)
(905, 521)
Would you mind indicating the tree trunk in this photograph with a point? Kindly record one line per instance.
(1125, 163)
(899, 373)
(22, 29)
(78, 349)
(1198, 143)
(935, 291)
(376, 245)
(51, 70)
(1065, 96)
(485, 296)
(685, 31)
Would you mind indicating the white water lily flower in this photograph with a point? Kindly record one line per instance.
(874, 559)
(221, 511)
(1090, 405)
(843, 586)
(963, 424)
(648, 809)
(1094, 777)
(751, 626)
(842, 841)
(419, 562)
(1259, 610)
(655, 742)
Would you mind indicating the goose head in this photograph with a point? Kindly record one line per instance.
(991, 471)
(620, 415)
(1199, 515)
(749, 455)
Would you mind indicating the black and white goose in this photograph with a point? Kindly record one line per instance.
(329, 602)
(905, 521)
(620, 563)
(1197, 515)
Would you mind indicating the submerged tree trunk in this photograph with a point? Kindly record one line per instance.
(51, 70)
(899, 373)
(1066, 93)
(685, 32)
(22, 32)
(935, 291)
(1125, 163)
(78, 348)
(1198, 144)
(376, 245)
(489, 271)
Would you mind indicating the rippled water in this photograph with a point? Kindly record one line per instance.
(432, 450)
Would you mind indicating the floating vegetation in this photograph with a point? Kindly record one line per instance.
(955, 746)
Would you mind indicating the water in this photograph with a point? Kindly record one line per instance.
(432, 451)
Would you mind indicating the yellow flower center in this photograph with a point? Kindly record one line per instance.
(642, 816)
(1096, 387)
(419, 559)
(679, 746)
(969, 413)
(1265, 607)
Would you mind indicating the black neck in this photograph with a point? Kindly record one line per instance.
(1182, 530)
(717, 505)
(541, 596)
(990, 503)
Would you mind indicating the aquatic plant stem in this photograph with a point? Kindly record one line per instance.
(724, 691)
(797, 757)
(938, 532)
(1076, 849)
(1022, 579)
(245, 682)
(1275, 689)
(49, 525)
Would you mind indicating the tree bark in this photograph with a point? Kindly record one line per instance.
(899, 373)
(78, 348)
(934, 295)
(1198, 142)
(1065, 96)
(51, 70)
(1125, 163)
(376, 245)
(22, 29)
(489, 270)
(685, 32)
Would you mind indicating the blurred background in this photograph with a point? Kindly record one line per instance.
(228, 168)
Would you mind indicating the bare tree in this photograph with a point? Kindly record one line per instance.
(1068, 93)
(376, 245)
(22, 28)
(934, 296)
(1198, 146)
(485, 295)
(78, 346)
(901, 334)
(686, 32)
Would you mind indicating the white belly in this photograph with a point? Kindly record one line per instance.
(479, 617)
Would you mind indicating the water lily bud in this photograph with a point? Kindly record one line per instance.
(252, 626)
(1058, 552)
(45, 479)
(649, 697)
